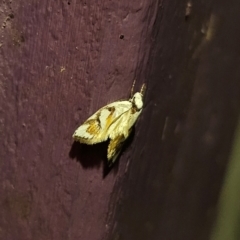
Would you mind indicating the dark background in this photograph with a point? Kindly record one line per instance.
(62, 60)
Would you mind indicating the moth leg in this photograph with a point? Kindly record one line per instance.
(143, 89)
(114, 148)
(132, 89)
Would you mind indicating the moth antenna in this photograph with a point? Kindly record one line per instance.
(132, 89)
(143, 89)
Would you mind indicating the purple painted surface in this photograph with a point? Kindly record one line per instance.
(62, 60)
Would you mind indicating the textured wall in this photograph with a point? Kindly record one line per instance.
(62, 60)
(175, 175)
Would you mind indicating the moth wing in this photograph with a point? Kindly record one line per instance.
(119, 131)
(95, 128)
(114, 149)
(123, 124)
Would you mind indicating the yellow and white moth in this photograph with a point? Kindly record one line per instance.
(113, 121)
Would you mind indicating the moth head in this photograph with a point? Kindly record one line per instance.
(137, 100)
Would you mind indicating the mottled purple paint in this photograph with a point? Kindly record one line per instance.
(60, 61)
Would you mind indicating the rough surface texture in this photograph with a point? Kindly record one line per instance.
(176, 172)
(62, 60)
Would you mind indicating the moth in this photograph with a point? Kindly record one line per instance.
(114, 122)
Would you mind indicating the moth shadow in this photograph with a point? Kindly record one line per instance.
(89, 156)
(92, 156)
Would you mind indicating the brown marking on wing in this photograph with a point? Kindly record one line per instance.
(109, 119)
(111, 109)
(98, 120)
(134, 110)
(94, 127)
(115, 146)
